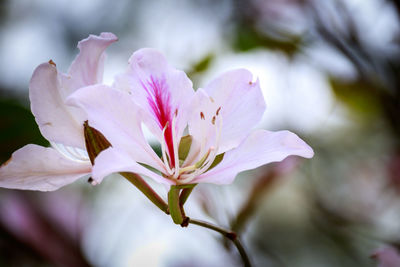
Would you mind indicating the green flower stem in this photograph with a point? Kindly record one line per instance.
(138, 181)
(228, 234)
(185, 194)
(174, 205)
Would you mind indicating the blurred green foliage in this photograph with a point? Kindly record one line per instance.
(359, 95)
(247, 38)
(17, 128)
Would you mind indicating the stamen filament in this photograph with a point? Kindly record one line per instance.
(187, 169)
(163, 152)
(176, 146)
(208, 158)
(203, 159)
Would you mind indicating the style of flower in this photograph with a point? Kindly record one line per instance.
(49, 168)
(205, 135)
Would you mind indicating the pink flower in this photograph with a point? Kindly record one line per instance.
(387, 257)
(205, 135)
(39, 168)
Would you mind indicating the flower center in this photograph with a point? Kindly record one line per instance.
(186, 171)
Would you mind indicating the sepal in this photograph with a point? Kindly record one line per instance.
(95, 142)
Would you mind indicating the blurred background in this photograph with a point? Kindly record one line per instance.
(330, 72)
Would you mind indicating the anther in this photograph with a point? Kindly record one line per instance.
(213, 120)
(202, 116)
(217, 113)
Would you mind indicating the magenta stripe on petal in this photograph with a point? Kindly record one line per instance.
(159, 100)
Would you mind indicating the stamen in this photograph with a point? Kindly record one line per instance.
(204, 158)
(176, 146)
(208, 158)
(217, 113)
(163, 152)
(187, 169)
(198, 166)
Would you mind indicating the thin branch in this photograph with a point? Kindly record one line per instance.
(228, 234)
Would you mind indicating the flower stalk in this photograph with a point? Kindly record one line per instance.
(228, 234)
(138, 181)
(176, 199)
(175, 208)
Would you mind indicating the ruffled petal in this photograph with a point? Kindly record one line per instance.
(113, 160)
(117, 117)
(162, 91)
(259, 148)
(34, 167)
(57, 122)
(87, 68)
(242, 105)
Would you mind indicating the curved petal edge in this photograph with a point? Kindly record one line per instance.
(34, 167)
(259, 148)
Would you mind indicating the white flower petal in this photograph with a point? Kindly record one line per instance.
(116, 116)
(113, 160)
(242, 105)
(161, 90)
(259, 148)
(57, 122)
(202, 125)
(34, 167)
(88, 66)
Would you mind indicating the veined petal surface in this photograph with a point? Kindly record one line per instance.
(162, 91)
(113, 160)
(34, 167)
(242, 105)
(57, 122)
(259, 148)
(118, 118)
(88, 66)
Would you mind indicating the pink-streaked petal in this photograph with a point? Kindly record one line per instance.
(87, 68)
(57, 122)
(114, 160)
(259, 148)
(118, 118)
(161, 90)
(242, 105)
(34, 167)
